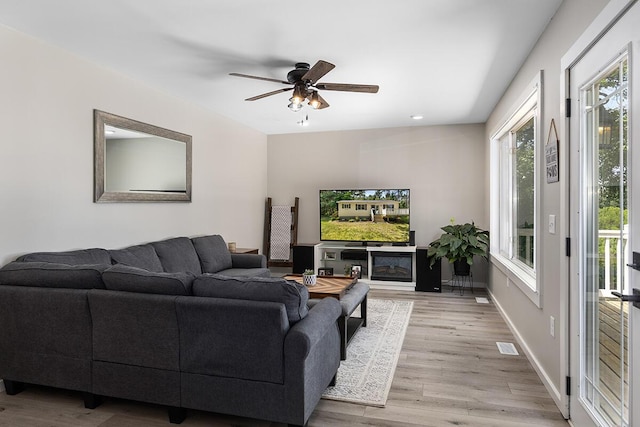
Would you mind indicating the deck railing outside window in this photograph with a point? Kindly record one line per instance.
(525, 246)
(614, 257)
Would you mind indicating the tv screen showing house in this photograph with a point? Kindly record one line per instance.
(379, 215)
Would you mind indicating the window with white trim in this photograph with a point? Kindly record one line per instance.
(514, 194)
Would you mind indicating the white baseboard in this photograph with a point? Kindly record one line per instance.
(553, 391)
(389, 285)
(409, 286)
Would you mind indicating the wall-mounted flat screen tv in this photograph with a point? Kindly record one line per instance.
(376, 215)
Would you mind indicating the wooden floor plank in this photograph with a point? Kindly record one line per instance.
(450, 372)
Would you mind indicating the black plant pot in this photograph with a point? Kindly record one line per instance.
(461, 267)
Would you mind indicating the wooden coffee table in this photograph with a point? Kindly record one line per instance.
(350, 293)
(327, 286)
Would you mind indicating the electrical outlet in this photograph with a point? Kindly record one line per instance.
(552, 326)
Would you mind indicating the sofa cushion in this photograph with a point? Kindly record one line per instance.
(53, 275)
(292, 294)
(142, 256)
(178, 255)
(132, 279)
(245, 272)
(213, 253)
(79, 257)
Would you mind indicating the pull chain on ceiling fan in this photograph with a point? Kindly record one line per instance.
(306, 86)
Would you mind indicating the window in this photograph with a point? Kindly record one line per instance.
(515, 165)
(360, 207)
(389, 208)
(346, 206)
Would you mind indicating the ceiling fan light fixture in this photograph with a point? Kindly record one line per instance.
(295, 107)
(314, 101)
(299, 94)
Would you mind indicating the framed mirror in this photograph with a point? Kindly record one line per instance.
(138, 162)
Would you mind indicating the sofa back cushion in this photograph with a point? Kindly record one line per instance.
(293, 295)
(178, 255)
(53, 275)
(213, 253)
(131, 279)
(142, 256)
(79, 257)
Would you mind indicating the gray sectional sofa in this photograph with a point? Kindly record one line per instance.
(180, 322)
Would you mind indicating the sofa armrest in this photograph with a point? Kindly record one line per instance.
(304, 335)
(312, 359)
(248, 261)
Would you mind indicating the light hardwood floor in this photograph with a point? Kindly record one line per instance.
(450, 373)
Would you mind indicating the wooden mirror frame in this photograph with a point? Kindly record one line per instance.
(100, 119)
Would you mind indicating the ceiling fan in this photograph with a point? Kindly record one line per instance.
(305, 85)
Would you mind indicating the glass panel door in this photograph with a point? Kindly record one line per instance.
(603, 252)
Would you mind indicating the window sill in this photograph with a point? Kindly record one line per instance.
(518, 276)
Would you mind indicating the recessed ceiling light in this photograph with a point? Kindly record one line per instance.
(417, 117)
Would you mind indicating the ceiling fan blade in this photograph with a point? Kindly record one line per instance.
(264, 95)
(348, 87)
(247, 76)
(317, 71)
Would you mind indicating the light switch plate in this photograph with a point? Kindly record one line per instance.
(552, 224)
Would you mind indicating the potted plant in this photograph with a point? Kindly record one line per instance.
(309, 278)
(459, 244)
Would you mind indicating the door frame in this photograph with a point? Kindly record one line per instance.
(607, 18)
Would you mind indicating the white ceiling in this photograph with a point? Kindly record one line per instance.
(448, 60)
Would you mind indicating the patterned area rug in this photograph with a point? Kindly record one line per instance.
(372, 355)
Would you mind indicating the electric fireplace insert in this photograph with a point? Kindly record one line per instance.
(395, 266)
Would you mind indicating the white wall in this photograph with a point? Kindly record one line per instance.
(532, 323)
(46, 159)
(443, 166)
